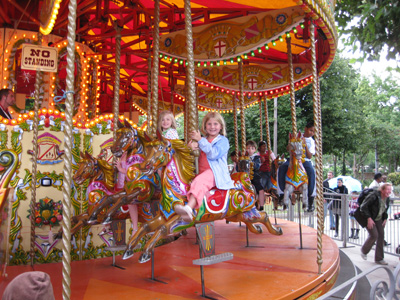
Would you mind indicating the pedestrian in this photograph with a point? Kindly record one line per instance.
(374, 208)
(336, 204)
(355, 227)
(327, 200)
(377, 180)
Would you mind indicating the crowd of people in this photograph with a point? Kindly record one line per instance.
(371, 212)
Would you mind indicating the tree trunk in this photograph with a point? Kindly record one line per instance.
(344, 163)
(334, 165)
(376, 158)
(354, 166)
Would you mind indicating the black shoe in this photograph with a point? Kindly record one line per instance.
(311, 208)
(333, 228)
(386, 243)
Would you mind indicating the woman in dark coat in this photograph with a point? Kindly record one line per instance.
(336, 205)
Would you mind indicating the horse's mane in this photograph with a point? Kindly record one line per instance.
(186, 159)
(108, 171)
(140, 134)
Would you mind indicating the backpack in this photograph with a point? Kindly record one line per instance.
(364, 193)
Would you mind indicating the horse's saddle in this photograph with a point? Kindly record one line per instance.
(216, 200)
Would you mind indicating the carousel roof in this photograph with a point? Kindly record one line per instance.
(224, 32)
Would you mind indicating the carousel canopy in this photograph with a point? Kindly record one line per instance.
(224, 33)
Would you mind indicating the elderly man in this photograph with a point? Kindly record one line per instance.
(374, 208)
(6, 99)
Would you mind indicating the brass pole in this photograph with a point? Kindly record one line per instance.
(235, 123)
(117, 78)
(155, 71)
(318, 149)
(191, 89)
(149, 91)
(34, 162)
(261, 118)
(68, 142)
(292, 92)
(242, 118)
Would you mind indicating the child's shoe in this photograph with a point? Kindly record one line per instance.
(185, 212)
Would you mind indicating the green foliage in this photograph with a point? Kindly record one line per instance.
(394, 178)
(378, 24)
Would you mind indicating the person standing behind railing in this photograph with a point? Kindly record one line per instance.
(374, 208)
(355, 227)
(336, 205)
(327, 200)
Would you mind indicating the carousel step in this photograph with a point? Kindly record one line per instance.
(213, 259)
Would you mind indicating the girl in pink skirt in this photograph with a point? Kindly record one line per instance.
(213, 166)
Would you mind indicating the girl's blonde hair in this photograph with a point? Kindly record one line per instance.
(162, 115)
(213, 115)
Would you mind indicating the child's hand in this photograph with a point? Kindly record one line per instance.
(193, 145)
(195, 135)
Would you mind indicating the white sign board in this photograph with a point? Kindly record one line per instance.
(39, 58)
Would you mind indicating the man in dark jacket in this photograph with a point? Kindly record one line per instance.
(375, 208)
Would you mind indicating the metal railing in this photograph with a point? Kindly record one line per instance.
(346, 223)
(379, 290)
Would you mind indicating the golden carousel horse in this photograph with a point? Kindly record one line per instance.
(177, 163)
(101, 176)
(296, 176)
(136, 187)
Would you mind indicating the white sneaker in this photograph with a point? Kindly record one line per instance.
(185, 212)
(363, 256)
(381, 262)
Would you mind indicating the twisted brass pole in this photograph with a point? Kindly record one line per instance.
(69, 111)
(235, 124)
(191, 89)
(318, 149)
(292, 92)
(261, 119)
(155, 70)
(117, 78)
(34, 162)
(267, 123)
(149, 91)
(242, 118)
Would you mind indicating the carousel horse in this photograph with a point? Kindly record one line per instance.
(101, 176)
(177, 164)
(296, 181)
(135, 187)
(273, 191)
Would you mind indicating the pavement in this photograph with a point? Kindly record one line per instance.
(354, 253)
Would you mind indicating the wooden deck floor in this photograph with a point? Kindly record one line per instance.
(274, 269)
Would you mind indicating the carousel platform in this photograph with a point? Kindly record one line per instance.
(272, 267)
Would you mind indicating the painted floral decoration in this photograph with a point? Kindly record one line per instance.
(47, 212)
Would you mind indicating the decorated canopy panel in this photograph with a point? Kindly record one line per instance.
(224, 33)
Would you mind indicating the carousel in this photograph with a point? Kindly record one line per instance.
(87, 195)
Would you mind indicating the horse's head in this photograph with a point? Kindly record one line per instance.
(296, 148)
(158, 154)
(86, 168)
(125, 139)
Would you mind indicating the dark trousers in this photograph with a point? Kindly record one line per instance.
(375, 234)
(337, 223)
(310, 174)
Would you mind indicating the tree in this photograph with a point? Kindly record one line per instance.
(379, 23)
(382, 98)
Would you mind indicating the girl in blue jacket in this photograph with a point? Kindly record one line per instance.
(213, 166)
